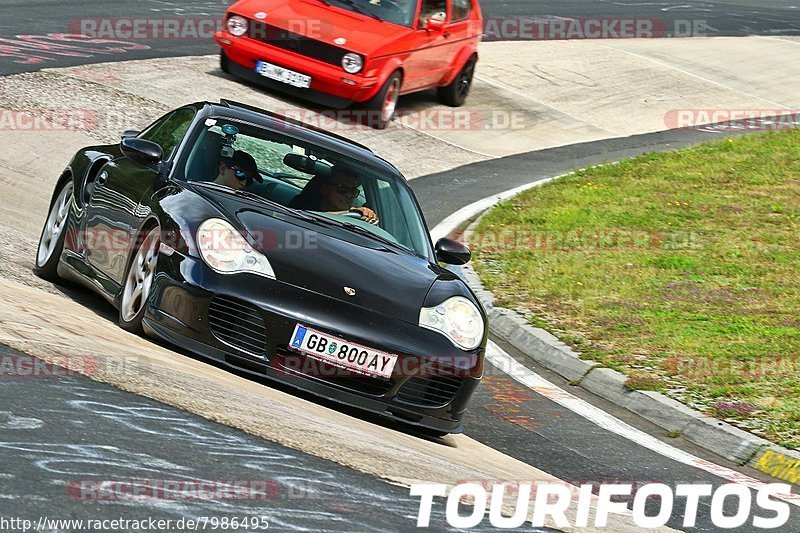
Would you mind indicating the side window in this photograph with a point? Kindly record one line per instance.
(169, 131)
(460, 9)
(431, 8)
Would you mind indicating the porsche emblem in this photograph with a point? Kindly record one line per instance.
(350, 291)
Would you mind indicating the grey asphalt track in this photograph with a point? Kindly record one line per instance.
(40, 18)
(75, 449)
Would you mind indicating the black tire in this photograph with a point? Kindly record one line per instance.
(51, 241)
(142, 264)
(379, 114)
(456, 93)
(224, 62)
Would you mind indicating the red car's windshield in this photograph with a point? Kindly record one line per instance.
(395, 11)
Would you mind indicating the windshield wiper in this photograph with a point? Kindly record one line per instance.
(361, 9)
(355, 228)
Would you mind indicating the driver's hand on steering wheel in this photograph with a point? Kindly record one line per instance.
(367, 214)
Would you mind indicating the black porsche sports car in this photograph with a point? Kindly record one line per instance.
(276, 248)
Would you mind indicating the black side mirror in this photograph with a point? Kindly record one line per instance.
(452, 252)
(127, 134)
(146, 152)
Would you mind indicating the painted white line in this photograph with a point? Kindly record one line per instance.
(682, 71)
(452, 222)
(499, 358)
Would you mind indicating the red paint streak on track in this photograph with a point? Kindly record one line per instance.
(33, 49)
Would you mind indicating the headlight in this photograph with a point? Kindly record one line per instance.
(457, 319)
(236, 25)
(224, 249)
(352, 63)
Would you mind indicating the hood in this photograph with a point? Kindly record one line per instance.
(312, 18)
(327, 260)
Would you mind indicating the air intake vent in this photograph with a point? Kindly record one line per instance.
(238, 324)
(436, 388)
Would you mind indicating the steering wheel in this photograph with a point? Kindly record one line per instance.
(353, 214)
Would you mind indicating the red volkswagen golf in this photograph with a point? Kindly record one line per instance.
(341, 52)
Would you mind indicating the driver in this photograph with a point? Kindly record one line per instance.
(338, 192)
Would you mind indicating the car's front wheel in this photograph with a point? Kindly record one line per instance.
(224, 62)
(382, 106)
(139, 281)
(51, 242)
(455, 94)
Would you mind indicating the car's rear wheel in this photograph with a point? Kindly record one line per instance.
(381, 107)
(51, 242)
(139, 281)
(456, 93)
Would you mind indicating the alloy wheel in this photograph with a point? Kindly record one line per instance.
(140, 277)
(54, 226)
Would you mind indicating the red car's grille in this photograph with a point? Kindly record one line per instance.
(297, 43)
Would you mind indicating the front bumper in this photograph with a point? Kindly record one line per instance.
(430, 387)
(328, 85)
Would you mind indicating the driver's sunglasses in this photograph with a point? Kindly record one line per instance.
(343, 189)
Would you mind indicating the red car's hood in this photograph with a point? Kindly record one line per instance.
(314, 19)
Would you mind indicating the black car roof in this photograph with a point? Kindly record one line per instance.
(306, 132)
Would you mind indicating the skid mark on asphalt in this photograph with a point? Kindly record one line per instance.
(499, 358)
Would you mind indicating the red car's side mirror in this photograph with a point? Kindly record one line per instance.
(435, 23)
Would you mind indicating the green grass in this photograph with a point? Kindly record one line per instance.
(680, 269)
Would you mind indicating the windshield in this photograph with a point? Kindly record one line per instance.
(326, 187)
(396, 11)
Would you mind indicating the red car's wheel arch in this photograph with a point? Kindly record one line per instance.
(464, 55)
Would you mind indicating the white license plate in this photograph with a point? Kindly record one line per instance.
(342, 353)
(283, 75)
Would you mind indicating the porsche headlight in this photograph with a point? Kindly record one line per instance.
(226, 251)
(236, 25)
(457, 319)
(352, 63)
